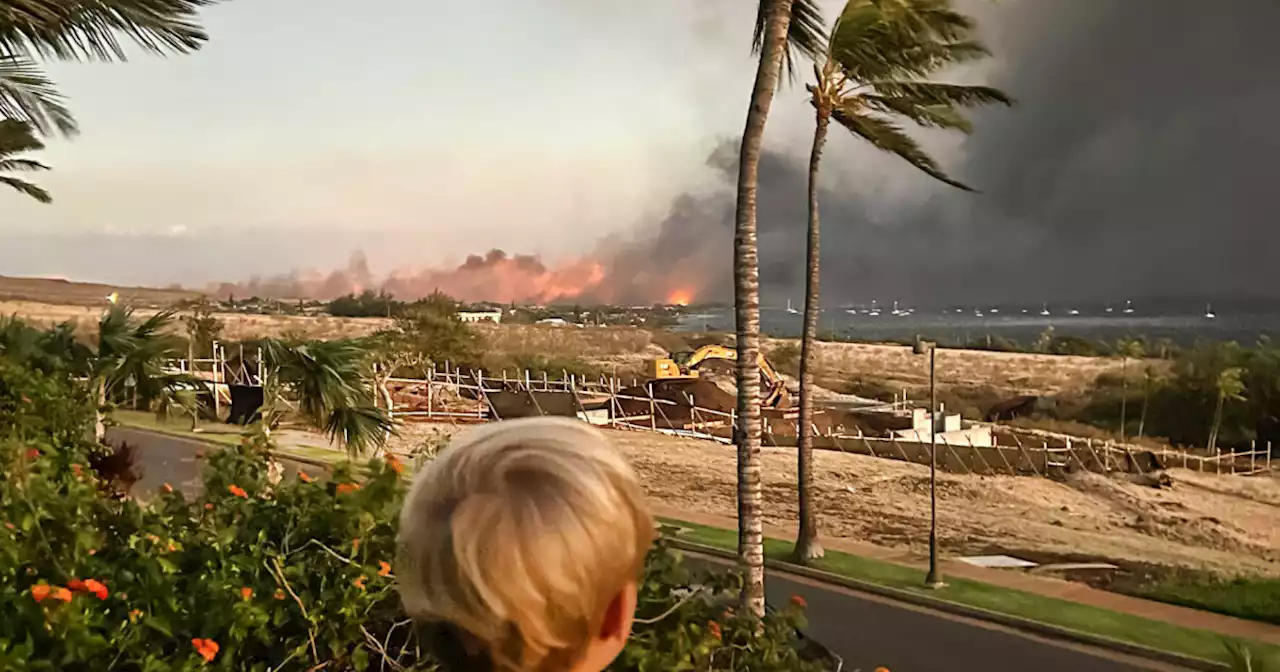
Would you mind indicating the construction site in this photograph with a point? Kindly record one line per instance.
(1001, 490)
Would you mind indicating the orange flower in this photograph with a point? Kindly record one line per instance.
(9, 526)
(77, 470)
(40, 592)
(799, 601)
(76, 585)
(355, 545)
(207, 648)
(305, 477)
(134, 615)
(97, 588)
(208, 506)
(344, 488)
(62, 594)
(279, 594)
(246, 593)
(237, 491)
(359, 583)
(166, 488)
(384, 568)
(882, 669)
(32, 453)
(714, 629)
(153, 538)
(395, 463)
(93, 551)
(172, 547)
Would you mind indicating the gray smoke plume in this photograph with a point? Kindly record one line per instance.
(1138, 163)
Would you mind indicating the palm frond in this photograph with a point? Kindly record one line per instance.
(359, 428)
(930, 116)
(27, 188)
(89, 29)
(27, 95)
(21, 166)
(889, 137)
(806, 35)
(934, 93)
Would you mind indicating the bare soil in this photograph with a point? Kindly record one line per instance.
(1221, 524)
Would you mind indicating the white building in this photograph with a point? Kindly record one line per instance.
(494, 316)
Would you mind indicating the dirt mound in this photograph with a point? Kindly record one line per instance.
(683, 393)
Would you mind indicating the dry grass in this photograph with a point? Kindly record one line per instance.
(51, 291)
(1221, 524)
(973, 378)
(894, 366)
(236, 326)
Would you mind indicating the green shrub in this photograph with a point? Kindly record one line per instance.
(259, 575)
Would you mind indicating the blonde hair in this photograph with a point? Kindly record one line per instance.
(520, 534)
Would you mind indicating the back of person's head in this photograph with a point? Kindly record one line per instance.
(523, 541)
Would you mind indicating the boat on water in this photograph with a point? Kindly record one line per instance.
(874, 312)
(1128, 307)
(1208, 312)
(994, 311)
(791, 310)
(1073, 311)
(1044, 309)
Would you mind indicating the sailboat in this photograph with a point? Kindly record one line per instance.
(1208, 312)
(791, 310)
(895, 309)
(1073, 311)
(1109, 308)
(874, 312)
(1128, 307)
(1044, 309)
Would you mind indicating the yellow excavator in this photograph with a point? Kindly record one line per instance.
(773, 392)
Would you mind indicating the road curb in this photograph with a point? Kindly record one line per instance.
(977, 613)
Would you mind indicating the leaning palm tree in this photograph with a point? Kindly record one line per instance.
(1229, 386)
(331, 383)
(873, 73)
(16, 137)
(777, 37)
(81, 30)
(1128, 348)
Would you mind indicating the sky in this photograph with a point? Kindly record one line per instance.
(1136, 162)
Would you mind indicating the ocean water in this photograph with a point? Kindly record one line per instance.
(957, 326)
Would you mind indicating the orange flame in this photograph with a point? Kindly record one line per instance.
(679, 297)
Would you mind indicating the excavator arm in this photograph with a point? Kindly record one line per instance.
(775, 392)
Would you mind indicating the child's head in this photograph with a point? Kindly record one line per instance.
(527, 537)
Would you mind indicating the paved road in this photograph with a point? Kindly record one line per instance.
(865, 630)
(170, 459)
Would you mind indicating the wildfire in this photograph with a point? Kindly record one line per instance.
(679, 297)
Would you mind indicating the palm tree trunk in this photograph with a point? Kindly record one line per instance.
(1124, 393)
(1217, 422)
(99, 421)
(807, 546)
(1146, 402)
(746, 294)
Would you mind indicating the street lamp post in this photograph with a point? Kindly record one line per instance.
(934, 578)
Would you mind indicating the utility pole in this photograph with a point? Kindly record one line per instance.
(934, 578)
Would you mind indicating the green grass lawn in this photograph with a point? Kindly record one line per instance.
(1256, 599)
(1079, 617)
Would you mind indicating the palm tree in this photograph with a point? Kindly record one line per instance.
(872, 73)
(130, 353)
(776, 38)
(1230, 386)
(332, 385)
(1128, 348)
(81, 30)
(15, 138)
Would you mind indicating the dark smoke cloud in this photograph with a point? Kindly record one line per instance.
(1139, 162)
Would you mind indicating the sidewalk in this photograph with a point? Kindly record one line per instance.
(1044, 586)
